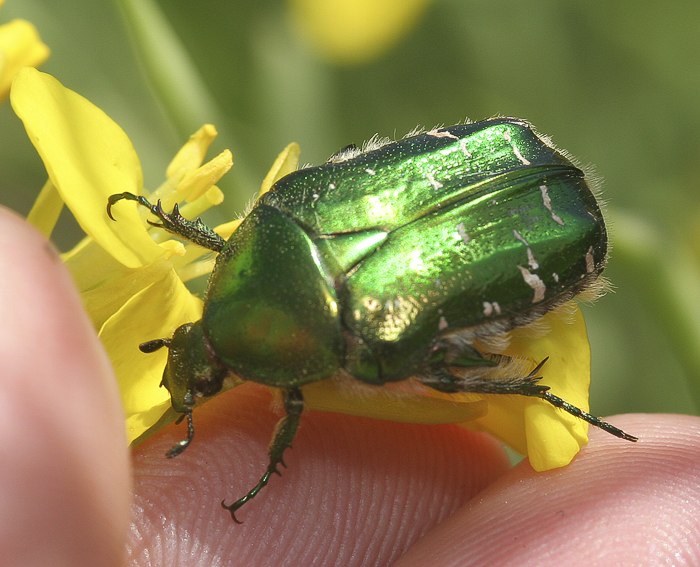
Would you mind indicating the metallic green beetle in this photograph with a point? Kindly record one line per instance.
(386, 264)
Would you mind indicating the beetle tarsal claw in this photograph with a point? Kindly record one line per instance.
(194, 231)
(557, 402)
(179, 447)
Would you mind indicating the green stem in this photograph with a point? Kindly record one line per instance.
(668, 279)
(176, 81)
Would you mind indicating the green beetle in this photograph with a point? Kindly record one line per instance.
(386, 264)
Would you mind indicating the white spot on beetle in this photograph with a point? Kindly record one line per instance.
(464, 148)
(437, 133)
(555, 276)
(331, 186)
(520, 237)
(415, 262)
(548, 205)
(534, 281)
(463, 233)
(590, 261)
(370, 171)
(442, 324)
(491, 308)
(516, 151)
(531, 260)
(434, 182)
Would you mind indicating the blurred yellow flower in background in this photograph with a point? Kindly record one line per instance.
(355, 31)
(20, 46)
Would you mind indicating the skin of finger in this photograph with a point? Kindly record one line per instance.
(618, 503)
(356, 491)
(64, 474)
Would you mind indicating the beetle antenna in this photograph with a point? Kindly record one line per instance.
(154, 345)
(179, 447)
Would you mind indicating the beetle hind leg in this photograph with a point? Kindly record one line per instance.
(194, 231)
(442, 380)
(284, 435)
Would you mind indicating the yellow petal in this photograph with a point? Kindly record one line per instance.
(549, 436)
(46, 209)
(355, 31)
(192, 154)
(226, 229)
(196, 183)
(403, 402)
(88, 158)
(154, 312)
(20, 46)
(286, 162)
(105, 285)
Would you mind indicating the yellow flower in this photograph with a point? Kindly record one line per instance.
(355, 31)
(131, 278)
(20, 46)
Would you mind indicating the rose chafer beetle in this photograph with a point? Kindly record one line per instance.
(387, 264)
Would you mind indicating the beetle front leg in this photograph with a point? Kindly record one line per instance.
(442, 380)
(284, 435)
(194, 231)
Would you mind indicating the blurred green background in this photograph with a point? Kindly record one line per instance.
(614, 83)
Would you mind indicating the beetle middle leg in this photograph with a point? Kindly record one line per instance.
(194, 231)
(284, 435)
(441, 379)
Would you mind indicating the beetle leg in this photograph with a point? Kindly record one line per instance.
(442, 380)
(180, 446)
(194, 231)
(284, 434)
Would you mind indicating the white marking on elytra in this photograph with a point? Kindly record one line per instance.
(371, 171)
(416, 262)
(463, 233)
(491, 308)
(548, 205)
(436, 133)
(531, 260)
(590, 262)
(331, 186)
(534, 281)
(464, 148)
(555, 276)
(516, 151)
(442, 323)
(434, 182)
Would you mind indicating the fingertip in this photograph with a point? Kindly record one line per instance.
(354, 488)
(65, 471)
(617, 503)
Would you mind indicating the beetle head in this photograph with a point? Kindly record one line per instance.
(190, 374)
